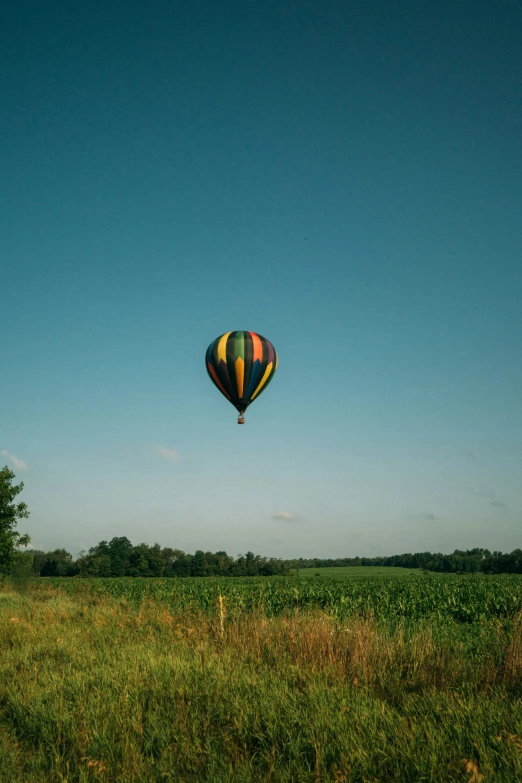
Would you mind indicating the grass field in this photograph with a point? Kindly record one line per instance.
(163, 680)
(343, 572)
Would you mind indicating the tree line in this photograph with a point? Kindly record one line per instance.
(119, 557)
(461, 561)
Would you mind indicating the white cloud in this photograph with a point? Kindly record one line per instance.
(288, 515)
(16, 463)
(169, 454)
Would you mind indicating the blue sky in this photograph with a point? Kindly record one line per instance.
(344, 179)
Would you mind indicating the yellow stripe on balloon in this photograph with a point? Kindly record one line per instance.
(222, 348)
(240, 375)
(263, 380)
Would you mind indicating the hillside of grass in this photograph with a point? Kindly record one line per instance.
(95, 687)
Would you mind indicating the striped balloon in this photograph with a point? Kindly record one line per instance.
(241, 365)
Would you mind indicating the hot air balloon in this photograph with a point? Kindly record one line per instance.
(241, 365)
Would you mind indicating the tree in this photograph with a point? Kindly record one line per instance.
(120, 551)
(58, 563)
(198, 566)
(10, 513)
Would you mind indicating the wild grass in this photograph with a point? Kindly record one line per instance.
(97, 688)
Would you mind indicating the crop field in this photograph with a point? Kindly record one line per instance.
(286, 680)
(466, 599)
(342, 572)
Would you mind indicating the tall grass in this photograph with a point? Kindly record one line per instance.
(99, 688)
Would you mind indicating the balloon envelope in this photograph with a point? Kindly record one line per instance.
(241, 365)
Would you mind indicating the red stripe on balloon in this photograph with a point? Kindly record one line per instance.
(217, 381)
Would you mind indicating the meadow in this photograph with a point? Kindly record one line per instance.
(285, 679)
(341, 572)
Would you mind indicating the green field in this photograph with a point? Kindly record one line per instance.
(241, 681)
(470, 599)
(343, 572)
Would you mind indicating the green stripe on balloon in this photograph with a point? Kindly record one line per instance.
(239, 347)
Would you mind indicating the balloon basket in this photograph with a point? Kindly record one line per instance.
(240, 419)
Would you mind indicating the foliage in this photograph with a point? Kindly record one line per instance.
(10, 513)
(460, 561)
(499, 563)
(148, 687)
(119, 557)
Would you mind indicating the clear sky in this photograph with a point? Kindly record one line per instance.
(343, 178)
